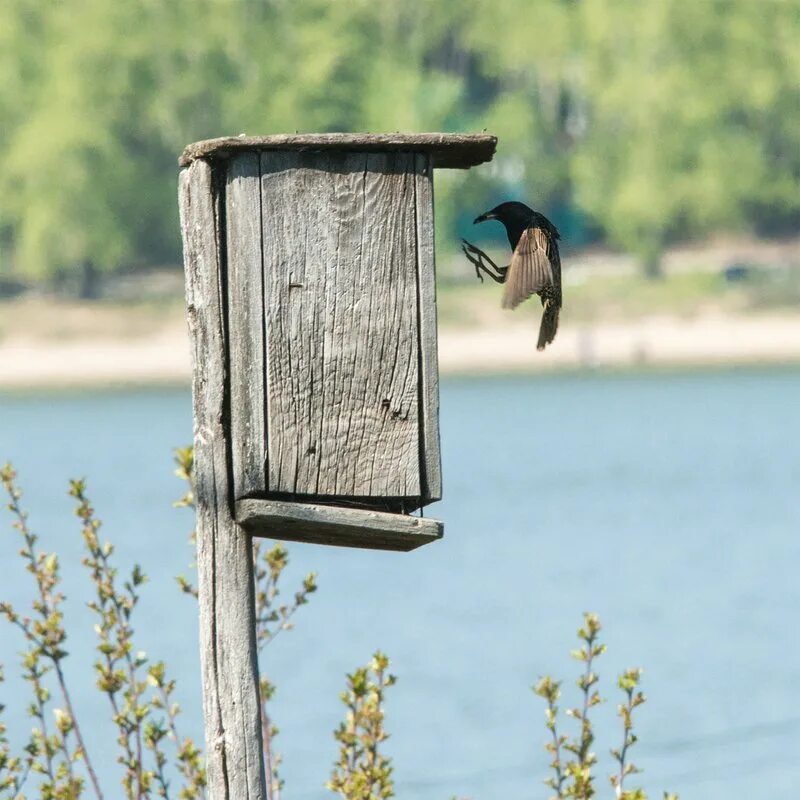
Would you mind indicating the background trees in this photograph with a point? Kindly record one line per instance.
(633, 123)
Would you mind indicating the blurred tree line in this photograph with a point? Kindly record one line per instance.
(632, 123)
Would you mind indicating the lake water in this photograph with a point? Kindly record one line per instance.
(668, 503)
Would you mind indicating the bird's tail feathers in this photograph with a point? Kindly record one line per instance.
(549, 326)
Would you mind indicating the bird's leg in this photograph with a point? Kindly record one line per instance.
(478, 252)
(477, 257)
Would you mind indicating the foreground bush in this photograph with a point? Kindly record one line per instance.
(155, 759)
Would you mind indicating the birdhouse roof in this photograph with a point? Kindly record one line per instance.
(448, 150)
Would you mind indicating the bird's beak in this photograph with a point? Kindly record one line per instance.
(483, 217)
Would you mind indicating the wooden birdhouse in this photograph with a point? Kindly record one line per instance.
(319, 252)
(311, 302)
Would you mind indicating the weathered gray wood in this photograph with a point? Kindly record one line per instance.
(339, 237)
(245, 303)
(429, 356)
(344, 527)
(450, 150)
(224, 553)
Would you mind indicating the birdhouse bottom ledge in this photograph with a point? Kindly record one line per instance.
(345, 527)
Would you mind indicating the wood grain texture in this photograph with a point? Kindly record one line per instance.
(343, 527)
(430, 449)
(224, 552)
(339, 234)
(246, 307)
(448, 150)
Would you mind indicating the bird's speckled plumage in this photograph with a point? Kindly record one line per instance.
(535, 266)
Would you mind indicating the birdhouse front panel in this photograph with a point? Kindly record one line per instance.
(331, 326)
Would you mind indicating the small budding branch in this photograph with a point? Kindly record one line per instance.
(152, 755)
(56, 756)
(362, 772)
(572, 775)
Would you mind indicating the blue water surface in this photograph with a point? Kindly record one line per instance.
(666, 502)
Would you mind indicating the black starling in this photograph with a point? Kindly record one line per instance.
(535, 266)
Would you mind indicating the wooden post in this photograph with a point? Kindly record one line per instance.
(228, 655)
(310, 289)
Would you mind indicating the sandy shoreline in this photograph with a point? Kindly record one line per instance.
(164, 358)
(670, 341)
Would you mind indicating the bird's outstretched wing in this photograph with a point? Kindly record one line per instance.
(531, 269)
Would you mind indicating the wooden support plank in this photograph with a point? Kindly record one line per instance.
(246, 306)
(224, 554)
(344, 527)
(339, 234)
(430, 450)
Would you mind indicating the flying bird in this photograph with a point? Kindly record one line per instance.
(535, 266)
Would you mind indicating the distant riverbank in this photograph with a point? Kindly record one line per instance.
(698, 314)
(163, 357)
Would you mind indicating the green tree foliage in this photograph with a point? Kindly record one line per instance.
(693, 118)
(531, 56)
(656, 121)
(102, 101)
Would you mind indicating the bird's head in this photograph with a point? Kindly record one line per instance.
(512, 213)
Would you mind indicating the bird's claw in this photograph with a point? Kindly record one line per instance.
(471, 247)
(472, 259)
